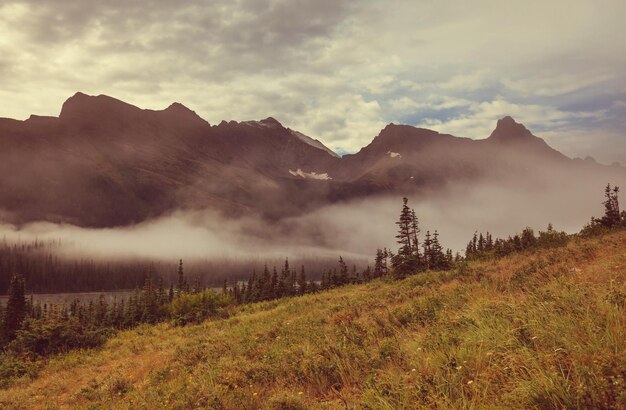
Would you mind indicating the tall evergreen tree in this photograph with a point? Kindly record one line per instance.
(15, 311)
(379, 263)
(343, 272)
(182, 281)
(403, 238)
(611, 207)
(437, 257)
(407, 259)
(415, 230)
(302, 283)
(427, 251)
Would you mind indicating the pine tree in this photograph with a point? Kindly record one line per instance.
(415, 230)
(404, 229)
(325, 282)
(302, 284)
(15, 311)
(249, 293)
(343, 272)
(437, 257)
(379, 263)
(161, 295)
(182, 282)
(469, 251)
(528, 239)
(612, 215)
(149, 304)
(427, 251)
(236, 293)
(367, 274)
(407, 260)
(489, 244)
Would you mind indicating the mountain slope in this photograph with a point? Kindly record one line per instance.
(535, 330)
(105, 163)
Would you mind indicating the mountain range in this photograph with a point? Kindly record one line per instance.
(103, 163)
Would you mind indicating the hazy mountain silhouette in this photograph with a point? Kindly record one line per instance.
(104, 162)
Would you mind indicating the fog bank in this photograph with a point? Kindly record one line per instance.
(354, 229)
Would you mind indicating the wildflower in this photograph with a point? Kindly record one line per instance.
(470, 382)
(459, 367)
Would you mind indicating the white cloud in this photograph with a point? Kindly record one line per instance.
(480, 120)
(335, 70)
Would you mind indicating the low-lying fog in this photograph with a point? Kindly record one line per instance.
(354, 230)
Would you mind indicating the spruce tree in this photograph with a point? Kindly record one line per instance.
(182, 282)
(15, 311)
(469, 251)
(343, 272)
(404, 229)
(408, 259)
(302, 284)
(415, 230)
(367, 274)
(427, 251)
(612, 215)
(378, 263)
(437, 257)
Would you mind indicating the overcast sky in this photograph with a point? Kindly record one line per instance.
(336, 70)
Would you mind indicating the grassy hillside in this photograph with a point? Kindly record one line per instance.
(545, 329)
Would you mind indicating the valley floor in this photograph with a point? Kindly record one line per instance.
(534, 330)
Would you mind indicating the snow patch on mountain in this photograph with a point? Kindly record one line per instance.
(394, 154)
(309, 175)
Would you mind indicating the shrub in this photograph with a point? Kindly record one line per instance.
(196, 307)
(40, 337)
(12, 367)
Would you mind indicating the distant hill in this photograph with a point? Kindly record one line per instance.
(105, 163)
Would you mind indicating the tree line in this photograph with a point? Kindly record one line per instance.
(411, 258)
(485, 247)
(26, 323)
(612, 218)
(44, 270)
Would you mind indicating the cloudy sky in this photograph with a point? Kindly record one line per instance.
(337, 70)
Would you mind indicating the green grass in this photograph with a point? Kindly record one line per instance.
(537, 330)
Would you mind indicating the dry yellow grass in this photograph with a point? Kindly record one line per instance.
(535, 330)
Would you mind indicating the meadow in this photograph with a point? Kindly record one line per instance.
(538, 329)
